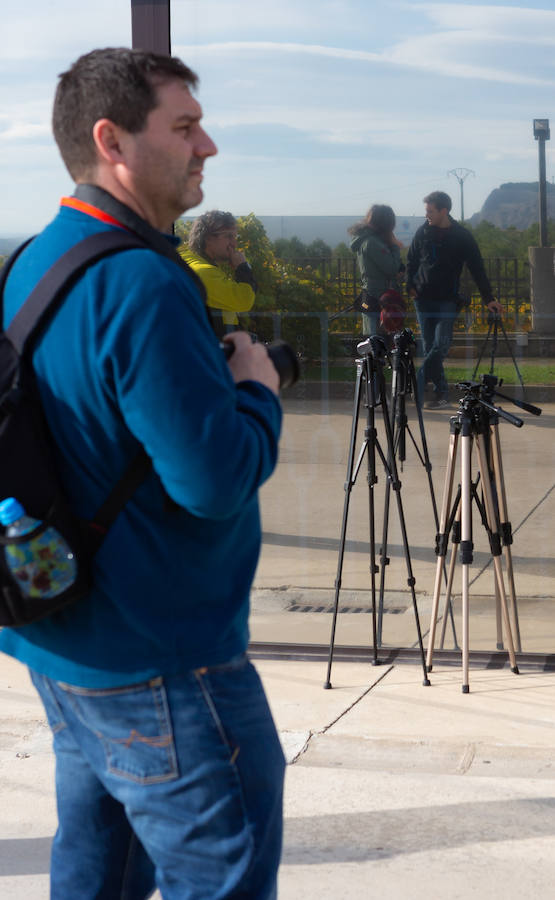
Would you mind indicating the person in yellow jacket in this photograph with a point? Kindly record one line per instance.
(213, 240)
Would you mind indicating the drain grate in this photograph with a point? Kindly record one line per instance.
(391, 610)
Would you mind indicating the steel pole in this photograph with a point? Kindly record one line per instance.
(542, 193)
(150, 26)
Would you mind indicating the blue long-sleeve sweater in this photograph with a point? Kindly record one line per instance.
(131, 357)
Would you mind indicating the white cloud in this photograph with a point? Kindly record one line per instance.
(500, 20)
(428, 53)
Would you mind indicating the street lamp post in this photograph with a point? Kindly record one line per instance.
(541, 134)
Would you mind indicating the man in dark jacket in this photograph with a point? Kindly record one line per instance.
(436, 256)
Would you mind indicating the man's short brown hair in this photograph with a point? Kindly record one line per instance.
(115, 83)
(440, 200)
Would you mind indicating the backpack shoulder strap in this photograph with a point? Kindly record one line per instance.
(5, 271)
(123, 490)
(48, 294)
(39, 307)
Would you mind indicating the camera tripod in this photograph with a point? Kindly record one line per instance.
(403, 384)
(477, 423)
(370, 373)
(494, 322)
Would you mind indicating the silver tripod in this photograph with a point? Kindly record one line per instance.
(477, 423)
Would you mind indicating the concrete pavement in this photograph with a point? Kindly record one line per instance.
(393, 789)
(302, 508)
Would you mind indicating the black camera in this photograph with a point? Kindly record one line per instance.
(374, 346)
(403, 340)
(283, 357)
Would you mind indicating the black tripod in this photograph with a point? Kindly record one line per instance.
(370, 372)
(403, 385)
(477, 423)
(494, 322)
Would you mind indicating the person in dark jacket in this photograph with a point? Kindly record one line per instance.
(436, 256)
(379, 259)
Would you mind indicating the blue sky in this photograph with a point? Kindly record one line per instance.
(318, 108)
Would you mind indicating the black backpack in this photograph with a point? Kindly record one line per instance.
(27, 461)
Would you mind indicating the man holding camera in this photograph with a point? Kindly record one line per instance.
(435, 259)
(213, 242)
(169, 770)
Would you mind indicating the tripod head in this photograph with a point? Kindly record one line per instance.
(404, 340)
(494, 318)
(374, 347)
(481, 394)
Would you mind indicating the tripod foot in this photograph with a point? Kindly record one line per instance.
(376, 662)
(426, 682)
(327, 686)
(515, 670)
(500, 645)
(429, 668)
(465, 689)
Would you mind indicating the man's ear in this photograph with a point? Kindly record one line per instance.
(107, 139)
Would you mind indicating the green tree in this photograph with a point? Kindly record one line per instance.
(342, 251)
(318, 249)
(290, 248)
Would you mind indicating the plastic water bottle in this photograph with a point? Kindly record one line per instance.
(43, 566)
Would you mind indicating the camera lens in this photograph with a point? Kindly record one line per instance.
(283, 357)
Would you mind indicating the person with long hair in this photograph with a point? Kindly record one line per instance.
(378, 254)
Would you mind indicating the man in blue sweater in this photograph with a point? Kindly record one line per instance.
(169, 770)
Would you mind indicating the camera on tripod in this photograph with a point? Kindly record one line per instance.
(404, 340)
(373, 346)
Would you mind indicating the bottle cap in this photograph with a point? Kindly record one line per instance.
(10, 511)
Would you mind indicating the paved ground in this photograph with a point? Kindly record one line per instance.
(303, 505)
(393, 789)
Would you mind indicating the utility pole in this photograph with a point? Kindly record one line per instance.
(150, 26)
(461, 175)
(541, 134)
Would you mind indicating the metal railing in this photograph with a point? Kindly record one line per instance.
(509, 278)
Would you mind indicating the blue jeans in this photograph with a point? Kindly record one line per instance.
(175, 783)
(436, 331)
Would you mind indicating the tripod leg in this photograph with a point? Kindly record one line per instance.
(511, 354)
(428, 467)
(481, 353)
(370, 436)
(505, 525)
(390, 463)
(495, 541)
(449, 587)
(466, 541)
(442, 537)
(397, 404)
(384, 560)
(348, 487)
(493, 345)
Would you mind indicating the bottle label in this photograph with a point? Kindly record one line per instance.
(43, 566)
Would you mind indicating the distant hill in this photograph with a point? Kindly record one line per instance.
(515, 203)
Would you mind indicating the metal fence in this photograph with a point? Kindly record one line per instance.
(509, 278)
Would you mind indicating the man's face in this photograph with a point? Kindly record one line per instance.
(220, 246)
(436, 216)
(164, 162)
